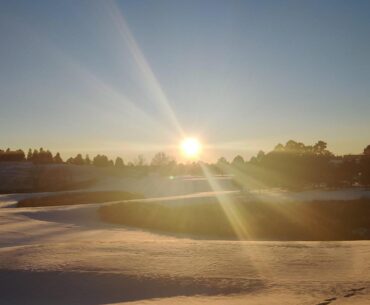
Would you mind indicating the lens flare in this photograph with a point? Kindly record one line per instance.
(191, 147)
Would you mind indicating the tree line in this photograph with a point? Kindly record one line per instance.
(292, 165)
(34, 156)
(42, 156)
(296, 165)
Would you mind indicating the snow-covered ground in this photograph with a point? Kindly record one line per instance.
(276, 195)
(65, 255)
(157, 186)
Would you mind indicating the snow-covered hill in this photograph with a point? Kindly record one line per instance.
(65, 255)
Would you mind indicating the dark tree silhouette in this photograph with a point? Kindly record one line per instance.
(78, 160)
(58, 158)
(161, 159)
(238, 161)
(320, 148)
(35, 155)
(87, 160)
(29, 155)
(260, 155)
(101, 161)
(367, 150)
(119, 162)
(12, 155)
(364, 167)
(293, 165)
(222, 161)
(279, 148)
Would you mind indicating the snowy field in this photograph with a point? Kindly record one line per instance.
(65, 255)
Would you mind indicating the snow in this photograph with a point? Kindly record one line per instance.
(275, 195)
(65, 255)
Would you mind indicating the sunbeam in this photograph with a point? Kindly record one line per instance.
(228, 205)
(249, 186)
(149, 77)
(99, 96)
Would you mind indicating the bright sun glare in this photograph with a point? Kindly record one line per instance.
(191, 147)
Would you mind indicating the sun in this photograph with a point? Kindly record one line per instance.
(190, 147)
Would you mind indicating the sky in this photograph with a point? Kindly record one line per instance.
(134, 77)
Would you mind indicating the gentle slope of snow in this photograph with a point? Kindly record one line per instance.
(65, 255)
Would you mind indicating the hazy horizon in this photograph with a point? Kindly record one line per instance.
(126, 78)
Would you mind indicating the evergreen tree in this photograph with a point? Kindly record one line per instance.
(57, 158)
(29, 155)
(78, 160)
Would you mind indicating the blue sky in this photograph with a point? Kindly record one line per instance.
(131, 77)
